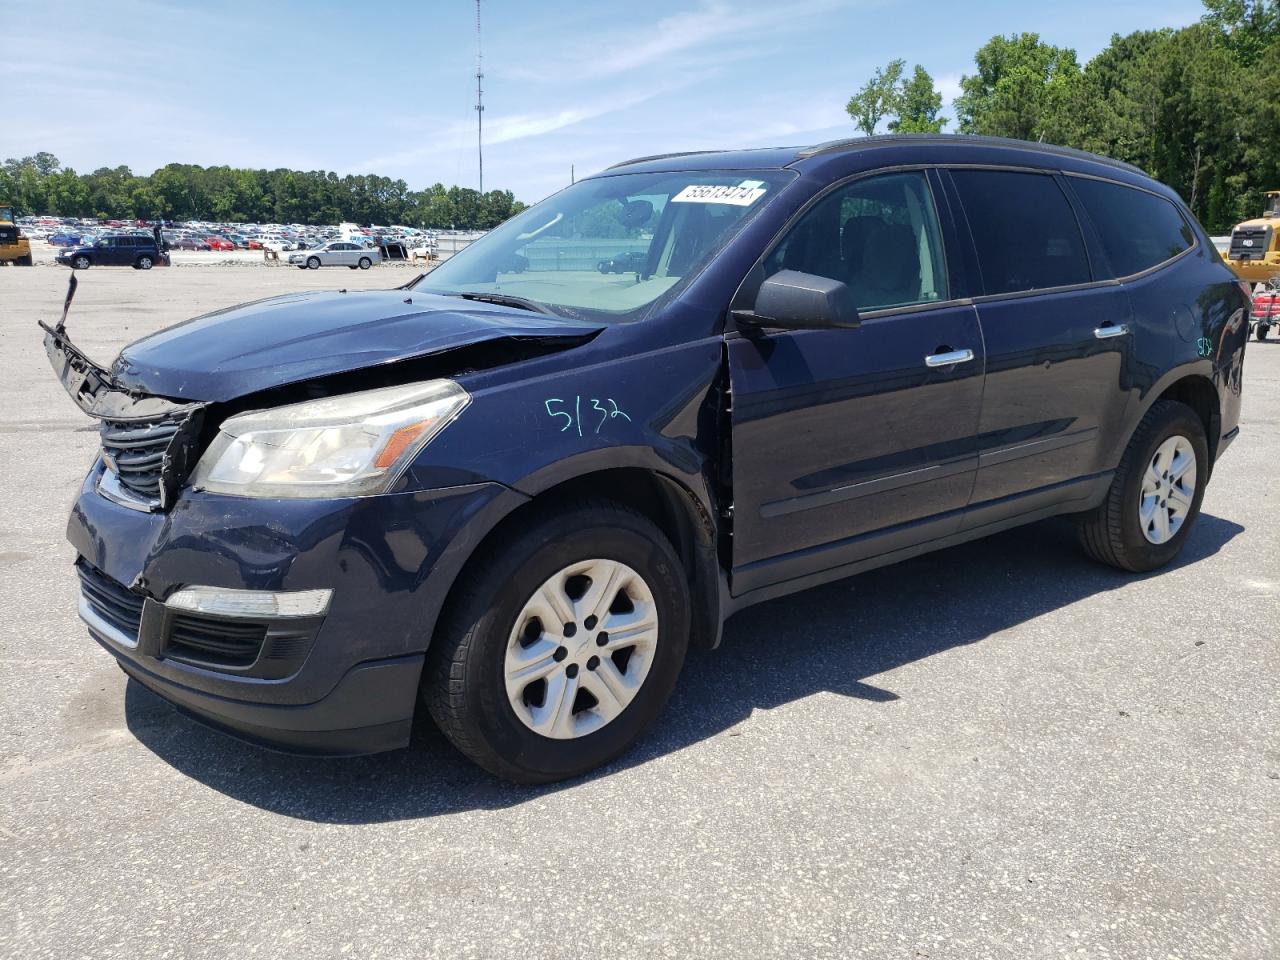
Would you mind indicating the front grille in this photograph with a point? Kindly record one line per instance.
(135, 451)
(1249, 243)
(110, 601)
(222, 643)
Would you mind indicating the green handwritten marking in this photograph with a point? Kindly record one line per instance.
(574, 419)
(1205, 346)
(560, 413)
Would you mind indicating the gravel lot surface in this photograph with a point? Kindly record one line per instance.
(1000, 750)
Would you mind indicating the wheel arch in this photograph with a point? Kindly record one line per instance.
(1196, 391)
(671, 504)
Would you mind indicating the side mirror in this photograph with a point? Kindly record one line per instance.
(790, 298)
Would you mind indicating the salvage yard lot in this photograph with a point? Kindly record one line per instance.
(999, 750)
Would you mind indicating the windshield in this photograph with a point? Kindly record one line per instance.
(1273, 205)
(6, 215)
(611, 247)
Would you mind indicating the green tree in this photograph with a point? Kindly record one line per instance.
(1022, 88)
(917, 105)
(877, 99)
(1248, 27)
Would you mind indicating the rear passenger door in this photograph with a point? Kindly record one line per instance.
(1058, 341)
(120, 253)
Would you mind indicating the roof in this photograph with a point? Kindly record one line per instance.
(778, 157)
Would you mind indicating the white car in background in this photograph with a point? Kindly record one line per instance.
(337, 253)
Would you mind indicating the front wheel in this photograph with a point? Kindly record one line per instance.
(1261, 332)
(1155, 495)
(365, 263)
(561, 645)
(313, 263)
(81, 263)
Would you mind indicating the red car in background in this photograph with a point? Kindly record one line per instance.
(219, 243)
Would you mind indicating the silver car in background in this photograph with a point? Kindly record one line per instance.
(336, 253)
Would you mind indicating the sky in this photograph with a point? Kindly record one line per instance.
(360, 87)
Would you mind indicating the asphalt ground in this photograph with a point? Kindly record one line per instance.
(997, 751)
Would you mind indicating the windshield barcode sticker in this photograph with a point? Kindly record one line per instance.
(740, 196)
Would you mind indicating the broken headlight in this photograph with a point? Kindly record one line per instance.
(351, 445)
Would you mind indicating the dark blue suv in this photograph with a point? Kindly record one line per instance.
(513, 491)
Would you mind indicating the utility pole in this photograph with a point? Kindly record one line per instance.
(479, 100)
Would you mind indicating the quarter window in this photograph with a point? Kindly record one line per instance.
(879, 236)
(1024, 230)
(1138, 230)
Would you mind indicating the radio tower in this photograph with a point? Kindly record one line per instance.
(479, 100)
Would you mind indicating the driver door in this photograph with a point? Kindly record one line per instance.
(851, 443)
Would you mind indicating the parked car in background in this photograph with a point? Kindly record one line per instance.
(338, 253)
(118, 250)
(188, 243)
(630, 262)
(65, 238)
(219, 243)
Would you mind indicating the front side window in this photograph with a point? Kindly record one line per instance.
(879, 236)
(612, 247)
(1138, 230)
(1024, 230)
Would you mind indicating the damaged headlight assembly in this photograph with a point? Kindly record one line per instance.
(351, 445)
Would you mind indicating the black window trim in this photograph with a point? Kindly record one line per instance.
(1195, 236)
(795, 218)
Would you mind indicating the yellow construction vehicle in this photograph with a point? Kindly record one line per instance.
(1254, 254)
(14, 247)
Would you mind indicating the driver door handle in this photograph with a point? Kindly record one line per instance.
(948, 359)
(1118, 330)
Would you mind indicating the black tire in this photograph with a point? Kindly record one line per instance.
(144, 263)
(313, 263)
(81, 263)
(463, 683)
(1112, 534)
(1261, 332)
(24, 261)
(365, 263)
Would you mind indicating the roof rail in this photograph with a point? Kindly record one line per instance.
(889, 139)
(661, 156)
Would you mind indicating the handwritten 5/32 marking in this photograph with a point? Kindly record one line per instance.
(602, 410)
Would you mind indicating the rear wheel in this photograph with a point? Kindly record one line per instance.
(1155, 495)
(313, 263)
(144, 263)
(24, 261)
(1261, 332)
(561, 645)
(365, 263)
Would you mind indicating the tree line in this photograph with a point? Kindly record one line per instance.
(1197, 108)
(181, 191)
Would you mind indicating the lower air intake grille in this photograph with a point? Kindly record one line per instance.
(109, 600)
(222, 643)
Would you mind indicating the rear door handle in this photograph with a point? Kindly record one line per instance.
(1104, 333)
(948, 359)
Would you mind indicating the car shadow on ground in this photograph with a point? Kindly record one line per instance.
(826, 639)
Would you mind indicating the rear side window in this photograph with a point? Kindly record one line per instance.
(1138, 229)
(1024, 229)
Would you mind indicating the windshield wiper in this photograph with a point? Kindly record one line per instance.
(506, 300)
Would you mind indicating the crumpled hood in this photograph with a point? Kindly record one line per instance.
(234, 352)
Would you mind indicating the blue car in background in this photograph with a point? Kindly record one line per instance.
(64, 238)
(514, 491)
